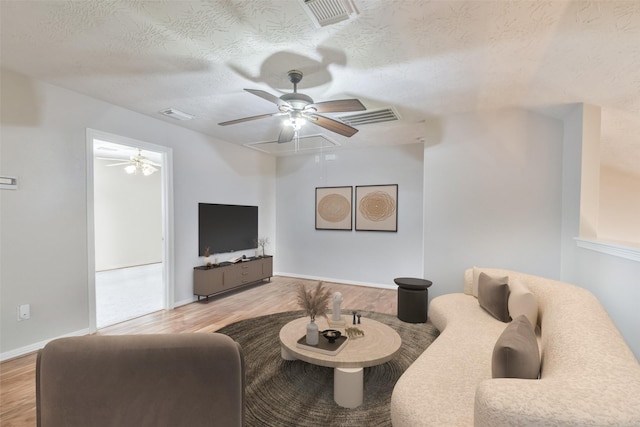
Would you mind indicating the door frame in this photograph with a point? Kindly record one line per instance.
(168, 260)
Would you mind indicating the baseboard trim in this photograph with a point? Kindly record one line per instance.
(184, 302)
(334, 280)
(11, 354)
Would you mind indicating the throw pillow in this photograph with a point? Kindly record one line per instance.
(516, 354)
(493, 296)
(522, 302)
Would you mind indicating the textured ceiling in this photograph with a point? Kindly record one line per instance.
(423, 58)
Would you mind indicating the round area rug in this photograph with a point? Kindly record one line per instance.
(296, 393)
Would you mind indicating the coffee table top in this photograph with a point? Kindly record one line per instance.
(379, 344)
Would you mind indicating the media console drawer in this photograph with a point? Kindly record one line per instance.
(208, 281)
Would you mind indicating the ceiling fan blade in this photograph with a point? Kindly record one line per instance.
(338, 106)
(286, 134)
(332, 125)
(113, 159)
(246, 119)
(119, 164)
(266, 95)
(149, 162)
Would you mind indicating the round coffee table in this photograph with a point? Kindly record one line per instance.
(379, 344)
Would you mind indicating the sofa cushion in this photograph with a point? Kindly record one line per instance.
(515, 354)
(493, 296)
(522, 302)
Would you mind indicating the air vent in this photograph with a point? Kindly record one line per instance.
(327, 12)
(176, 114)
(369, 116)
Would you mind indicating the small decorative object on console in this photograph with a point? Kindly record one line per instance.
(262, 242)
(207, 257)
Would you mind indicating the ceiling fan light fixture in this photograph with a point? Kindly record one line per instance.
(296, 120)
(295, 123)
(148, 170)
(130, 169)
(300, 108)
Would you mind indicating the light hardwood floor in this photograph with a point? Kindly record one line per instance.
(17, 376)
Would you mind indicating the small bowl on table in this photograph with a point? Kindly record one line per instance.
(331, 335)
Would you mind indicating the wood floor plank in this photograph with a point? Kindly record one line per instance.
(17, 376)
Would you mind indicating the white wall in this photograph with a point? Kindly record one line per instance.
(619, 219)
(571, 188)
(128, 217)
(361, 257)
(493, 187)
(616, 283)
(590, 171)
(43, 225)
(492, 196)
(504, 189)
(613, 280)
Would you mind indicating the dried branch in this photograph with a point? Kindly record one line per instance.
(314, 303)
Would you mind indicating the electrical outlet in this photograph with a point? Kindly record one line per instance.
(24, 312)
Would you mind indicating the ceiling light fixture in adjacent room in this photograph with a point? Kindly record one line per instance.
(136, 164)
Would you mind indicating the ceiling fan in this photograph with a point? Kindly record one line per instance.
(135, 164)
(300, 109)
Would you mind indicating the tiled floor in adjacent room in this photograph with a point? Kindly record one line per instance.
(126, 293)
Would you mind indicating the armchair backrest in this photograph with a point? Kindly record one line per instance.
(141, 380)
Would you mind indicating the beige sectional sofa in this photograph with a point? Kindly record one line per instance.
(588, 375)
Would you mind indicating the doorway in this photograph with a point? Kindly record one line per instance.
(130, 232)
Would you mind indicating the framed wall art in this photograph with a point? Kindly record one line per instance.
(333, 208)
(377, 207)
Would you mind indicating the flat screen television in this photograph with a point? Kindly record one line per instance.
(226, 228)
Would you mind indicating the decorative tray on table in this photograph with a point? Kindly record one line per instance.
(324, 346)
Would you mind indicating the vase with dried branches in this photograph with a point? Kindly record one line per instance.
(262, 242)
(314, 303)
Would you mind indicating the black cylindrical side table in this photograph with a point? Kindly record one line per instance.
(413, 297)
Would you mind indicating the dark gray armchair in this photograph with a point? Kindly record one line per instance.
(141, 380)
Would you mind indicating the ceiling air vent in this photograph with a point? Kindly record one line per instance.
(327, 12)
(176, 114)
(369, 116)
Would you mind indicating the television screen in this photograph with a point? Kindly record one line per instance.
(226, 228)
